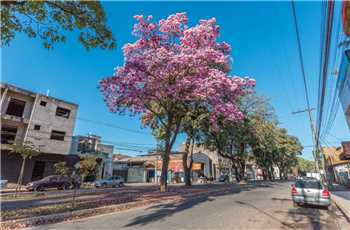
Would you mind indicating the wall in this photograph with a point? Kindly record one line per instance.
(45, 116)
(136, 174)
(11, 165)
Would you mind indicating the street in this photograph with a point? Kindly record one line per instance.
(263, 207)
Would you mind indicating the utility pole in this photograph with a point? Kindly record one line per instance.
(315, 151)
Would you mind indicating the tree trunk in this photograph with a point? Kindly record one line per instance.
(238, 179)
(241, 161)
(186, 163)
(264, 174)
(164, 175)
(165, 164)
(74, 196)
(280, 173)
(242, 170)
(20, 178)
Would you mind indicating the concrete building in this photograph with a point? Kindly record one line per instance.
(45, 121)
(338, 168)
(147, 168)
(343, 85)
(91, 145)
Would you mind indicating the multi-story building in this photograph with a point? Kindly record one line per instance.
(343, 85)
(91, 145)
(45, 121)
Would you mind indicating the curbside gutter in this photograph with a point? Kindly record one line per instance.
(343, 205)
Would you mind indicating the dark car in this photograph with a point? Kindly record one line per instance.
(54, 181)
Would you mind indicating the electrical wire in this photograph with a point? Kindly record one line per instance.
(324, 67)
(111, 125)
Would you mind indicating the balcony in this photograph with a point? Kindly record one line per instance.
(15, 118)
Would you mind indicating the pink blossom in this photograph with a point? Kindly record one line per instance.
(173, 64)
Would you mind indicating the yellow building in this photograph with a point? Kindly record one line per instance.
(338, 169)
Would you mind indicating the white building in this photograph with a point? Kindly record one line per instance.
(45, 121)
(91, 145)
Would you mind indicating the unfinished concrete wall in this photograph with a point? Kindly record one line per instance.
(45, 120)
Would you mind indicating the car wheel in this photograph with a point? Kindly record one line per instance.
(39, 188)
(104, 185)
(66, 186)
(120, 184)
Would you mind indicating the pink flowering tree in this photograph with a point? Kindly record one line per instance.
(170, 68)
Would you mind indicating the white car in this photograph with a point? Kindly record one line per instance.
(3, 184)
(113, 181)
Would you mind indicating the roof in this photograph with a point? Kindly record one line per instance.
(119, 156)
(31, 93)
(332, 156)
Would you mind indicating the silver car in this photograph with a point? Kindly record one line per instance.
(310, 191)
(113, 181)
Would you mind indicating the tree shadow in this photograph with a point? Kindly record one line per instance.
(161, 211)
(311, 216)
(265, 213)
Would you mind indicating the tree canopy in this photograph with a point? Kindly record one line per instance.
(171, 68)
(48, 20)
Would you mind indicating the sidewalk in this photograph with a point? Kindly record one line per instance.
(341, 197)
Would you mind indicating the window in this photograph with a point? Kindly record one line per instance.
(57, 135)
(62, 112)
(36, 127)
(43, 103)
(311, 184)
(15, 107)
(8, 134)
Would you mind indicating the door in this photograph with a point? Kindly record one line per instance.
(53, 182)
(38, 170)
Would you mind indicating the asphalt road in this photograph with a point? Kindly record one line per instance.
(262, 207)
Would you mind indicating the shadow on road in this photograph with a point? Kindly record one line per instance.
(311, 216)
(165, 210)
(265, 213)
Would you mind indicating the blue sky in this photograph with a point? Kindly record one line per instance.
(263, 47)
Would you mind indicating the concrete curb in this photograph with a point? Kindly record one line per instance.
(71, 215)
(343, 205)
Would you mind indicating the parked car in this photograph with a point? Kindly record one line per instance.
(224, 178)
(113, 181)
(310, 191)
(3, 183)
(54, 181)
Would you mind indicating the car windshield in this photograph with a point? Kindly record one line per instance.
(315, 184)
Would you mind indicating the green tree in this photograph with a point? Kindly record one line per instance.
(61, 168)
(26, 150)
(48, 19)
(286, 150)
(192, 127)
(305, 166)
(234, 140)
(88, 166)
(263, 146)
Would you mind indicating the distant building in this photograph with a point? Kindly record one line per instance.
(91, 145)
(45, 121)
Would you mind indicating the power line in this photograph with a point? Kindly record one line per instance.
(301, 59)
(111, 126)
(324, 67)
(308, 109)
